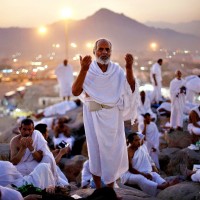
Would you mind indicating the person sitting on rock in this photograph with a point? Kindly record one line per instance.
(144, 107)
(58, 153)
(30, 150)
(194, 124)
(140, 169)
(151, 137)
(62, 135)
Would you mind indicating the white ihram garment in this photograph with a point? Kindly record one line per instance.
(41, 176)
(59, 108)
(8, 194)
(105, 128)
(156, 69)
(28, 163)
(152, 140)
(191, 128)
(193, 88)
(65, 79)
(141, 162)
(144, 108)
(177, 103)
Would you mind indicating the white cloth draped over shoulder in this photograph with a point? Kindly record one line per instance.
(144, 108)
(142, 162)
(105, 128)
(28, 163)
(111, 88)
(152, 140)
(65, 79)
(177, 102)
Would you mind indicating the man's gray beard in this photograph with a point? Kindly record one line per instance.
(103, 62)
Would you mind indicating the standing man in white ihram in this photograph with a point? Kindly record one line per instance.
(64, 73)
(107, 93)
(156, 80)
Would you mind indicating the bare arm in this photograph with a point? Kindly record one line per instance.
(61, 152)
(129, 71)
(17, 149)
(77, 87)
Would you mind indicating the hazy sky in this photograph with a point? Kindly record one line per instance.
(33, 13)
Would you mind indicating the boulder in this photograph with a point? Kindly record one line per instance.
(126, 194)
(178, 139)
(4, 152)
(72, 167)
(183, 191)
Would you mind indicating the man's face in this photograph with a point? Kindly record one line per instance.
(178, 74)
(136, 142)
(103, 52)
(46, 135)
(26, 130)
(147, 119)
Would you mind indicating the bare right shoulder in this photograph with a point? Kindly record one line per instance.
(15, 141)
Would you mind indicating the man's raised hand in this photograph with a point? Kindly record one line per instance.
(129, 61)
(85, 62)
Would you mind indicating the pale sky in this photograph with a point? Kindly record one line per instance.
(34, 13)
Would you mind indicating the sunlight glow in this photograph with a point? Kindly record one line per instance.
(66, 13)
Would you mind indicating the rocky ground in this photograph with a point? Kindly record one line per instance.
(173, 151)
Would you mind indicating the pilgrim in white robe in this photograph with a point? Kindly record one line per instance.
(141, 161)
(156, 94)
(105, 127)
(65, 79)
(41, 176)
(191, 128)
(9, 194)
(27, 164)
(177, 103)
(144, 108)
(151, 141)
(59, 108)
(193, 88)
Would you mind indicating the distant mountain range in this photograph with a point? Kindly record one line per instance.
(125, 33)
(192, 27)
